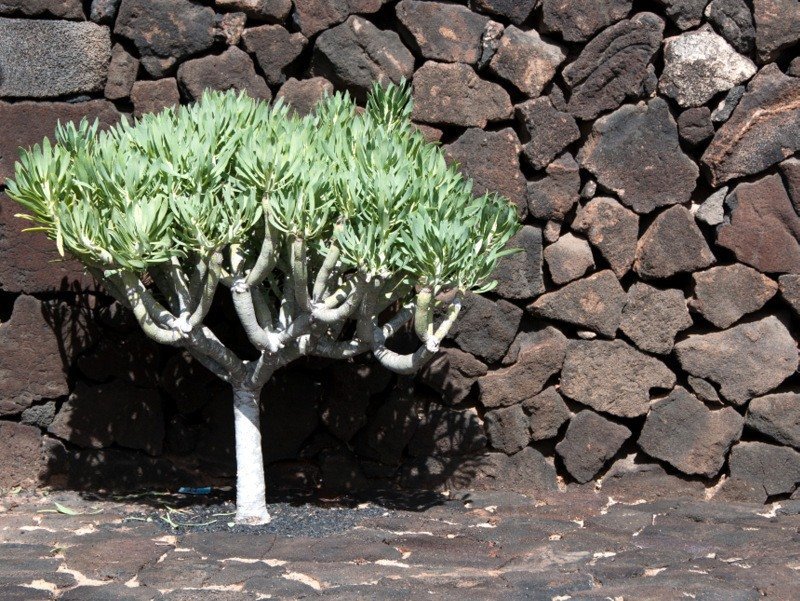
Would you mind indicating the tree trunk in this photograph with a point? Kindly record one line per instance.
(251, 504)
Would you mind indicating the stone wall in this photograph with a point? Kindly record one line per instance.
(647, 330)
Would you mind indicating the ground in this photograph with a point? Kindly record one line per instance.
(580, 544)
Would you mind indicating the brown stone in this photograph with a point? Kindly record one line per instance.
(230, 27)
(273, 11)
(346, 396)
(453, 94)
(790, 291)
(452, 373)
(684, 13)
(612, 229)
(590, 442)
(734, 21)
(527, 472)
(275, 49)
(746, 361)
(612, 376)
(516, 11)
(154, 96)
(579, 20)
(121, 73)
(568, 259)
(763, 230)
(613, 66)
(507, 429)
(776, 416)
(446, 431)
(313, 16)
(132, 357)
(20, 455)
(548, 412)
(519, 276)
(685, 433)
(764, 128)
(694, 125)
(724, 294)
(653, 317)
(777, 27)
(594, 302)
(485, 328)
(231, 70)
(769, 468)
(672, 244)
(540, 356)
(303, 95)
(635, 152)
(525, 60)
(553, 196)
(61, 9)
(546, 130)
(790, 171)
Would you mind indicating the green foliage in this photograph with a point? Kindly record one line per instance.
(190, 181)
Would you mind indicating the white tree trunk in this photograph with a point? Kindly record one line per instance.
(251, 504)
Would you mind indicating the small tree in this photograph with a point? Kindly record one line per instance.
(330, 231)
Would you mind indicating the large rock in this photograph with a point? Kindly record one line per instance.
(453, 94)
(768, 468)
(568, 258)
(747, 360)
(548, 412)
(491, 160)
(594, 302)
(734, 21)
(516, 11)
(635, 152)
(20, 455)
(790, 291)
(43, 59)
(519, 276)
(442, 32)
(684, 13)
(612, 376)
(122, 71)
(275, 49)
(579, 20)
(62, 9)
(725, 294)
(313, 16)
(540, 356)
(231, 70)
(445, 431)
(525, 60)
(688, 435)
(613, 66)
(527, 472)
(260, 10)
(589, 443)
(653, 317)
(672, 244)
(552, 197)
(776, 416)
(452, 373)
(763, 229)
(612, 229)
(507, 429)
(699, 64)
(165, 32)
(485, 328)
(154, 96)
(302, 95)
(764, 129)
(546, 130)
(777, 27)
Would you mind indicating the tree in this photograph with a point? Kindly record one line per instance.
(331, 232)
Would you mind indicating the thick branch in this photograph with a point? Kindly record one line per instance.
(150, 314)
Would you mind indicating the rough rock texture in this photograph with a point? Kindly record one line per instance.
(634, 151)
(712, 210)
(763, 229)
(445, 431)
(672, 244)
(769, 468)
(776, 416)
(724, 294)
(442, 32)
(734, 21)
(262, 10)
(553, 196)
(312, 16)
(777, 27)
(452, 373)
(694, 125)
(790, 171)
(688, 435)
(303, 95)
(613, 66)
(790, 291)
(453, 94)
(747, 360)
(548, 412)
(763, 130)
(231, 70)
(547, 130)
(540, 356)
(699, 64)
(20, 463)
(704, 390)
(485, 328)
(507, 429)
(684, 13)
(579, 20)
(153, 96)
(589, 443)
(612, 229)
(516, 11)
(122, 71)
(568, 259)
(519, 276)
(525, 60)
(725, 107)
(43, 59)
(66, 9)
(653, 317)
(274, 49)
(612, 376)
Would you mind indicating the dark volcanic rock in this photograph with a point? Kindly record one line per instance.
(764, 129)
(612, 229)
(356, 54)
(103, 11)
(231, 70)
(274, 49)
(704, 390)
(121, 73)
(594, 302)
(568, 259)
(772, 469)
(525, 60)
(313, 16)
(134, 358)
(776, 416)
(684, 13)
(47, 58)
(589, 443)
(613, 66)
(694, 125)
(747, 360)
(519, 276)
(446, 431)
(763, 229)
(346, 396)
(20, 463)
(516, 11)
(63, 9)
(452, 373)
(612, 376)
(393, 424)
(553, 196)
(442, 32)
(653, 317)
(790, 171)
(165, 31)
(725, 107)
(154, 96)
(688, 435)
(579, 20)
(485, 328)
(260, 10)
(491, 159)
(724, 294)
(790, 291)
(507, 429)
(734, 21)
(453, 94)
(634, 151)
(547, 131)
(540, 356)
(303, 94)
(548, 412)
(777, 27)
(672, 244)
(527, 472)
